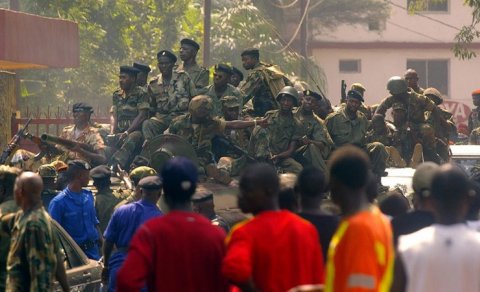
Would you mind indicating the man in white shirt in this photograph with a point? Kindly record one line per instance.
(446, 255)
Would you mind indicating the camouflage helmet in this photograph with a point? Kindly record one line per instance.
(290, 91)
(200, 103)
(397, 85)
(47, 171)
(358, 87)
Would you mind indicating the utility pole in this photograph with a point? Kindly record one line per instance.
(304, 35)
(207, 23)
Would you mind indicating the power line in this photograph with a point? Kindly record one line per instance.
(425, 16)
(283, 6)
(415, 32)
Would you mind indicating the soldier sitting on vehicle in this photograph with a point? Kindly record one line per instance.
(444, 124)
(129, 110)
(433, 148)
(198, 127)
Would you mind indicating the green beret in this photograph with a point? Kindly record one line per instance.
(99, 172)
(191, 43)
(47, 170)
(140, 172)
(168, 54)
(129, 70)
(224, 68)
(251, 52)
(142, 67)
(153, 182)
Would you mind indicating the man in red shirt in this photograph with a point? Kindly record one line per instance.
(276, 250)
(180, 251)
(360, 256)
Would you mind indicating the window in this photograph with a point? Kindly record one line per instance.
(349, 66)
(428, 5)
(432, 73)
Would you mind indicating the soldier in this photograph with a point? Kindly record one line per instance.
(316, 145)
(170, 92)
(284, 132)
(474, 138)
(142, 76)
(188, 53)
(444, 124)
(474, 117)
(383, 132)
(237, 77)
(105, 199)
(8, 206)
(82, 131)
(202, 203)
(322, 108)
(262, 84)
(233, 162)
(416, 104)
(48, 174)
(198, 127)
(220, 87)
(404, 139)
(411, 77)
(363, 108)
(433, 149)
(349, 126)
(135, 176)
(34, 259)
(129, 110)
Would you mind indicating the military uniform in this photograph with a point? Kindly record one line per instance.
(281, 131)
(256, 87)
(199, 75)
(126, 108)
(168, 101)
(344, 130)
(32, 258)
(416, 106)
(474, 119)
(217, 104)
(315, 130)
(474, 138)
(89, 135)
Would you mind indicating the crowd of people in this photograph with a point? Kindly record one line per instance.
(308, 177)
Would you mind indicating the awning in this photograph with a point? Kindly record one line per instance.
(31, 41)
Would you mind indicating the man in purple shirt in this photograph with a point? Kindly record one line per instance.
(123, 224)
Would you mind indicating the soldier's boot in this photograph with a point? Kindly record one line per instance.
(417, 156)
(395, 158)
(220, 175)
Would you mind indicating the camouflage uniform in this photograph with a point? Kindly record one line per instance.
(168, 101)
(344, 131)
(198, 135)
(474, 138)
(416, 106)
(281, 131)
(105, 202)
(89, 135)
(444, 125)
(32, 258)
(315, 130)
(217, 105)
(256, 87)
(198, 75)
(125, 109)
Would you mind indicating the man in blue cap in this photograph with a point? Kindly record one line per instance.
(124, 223)
(179, 243)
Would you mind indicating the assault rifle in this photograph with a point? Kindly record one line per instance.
(47, 150)
(69, 144)
(222, 141)
(343, 91)
(13, 144)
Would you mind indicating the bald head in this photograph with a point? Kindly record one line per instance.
(28, 189)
